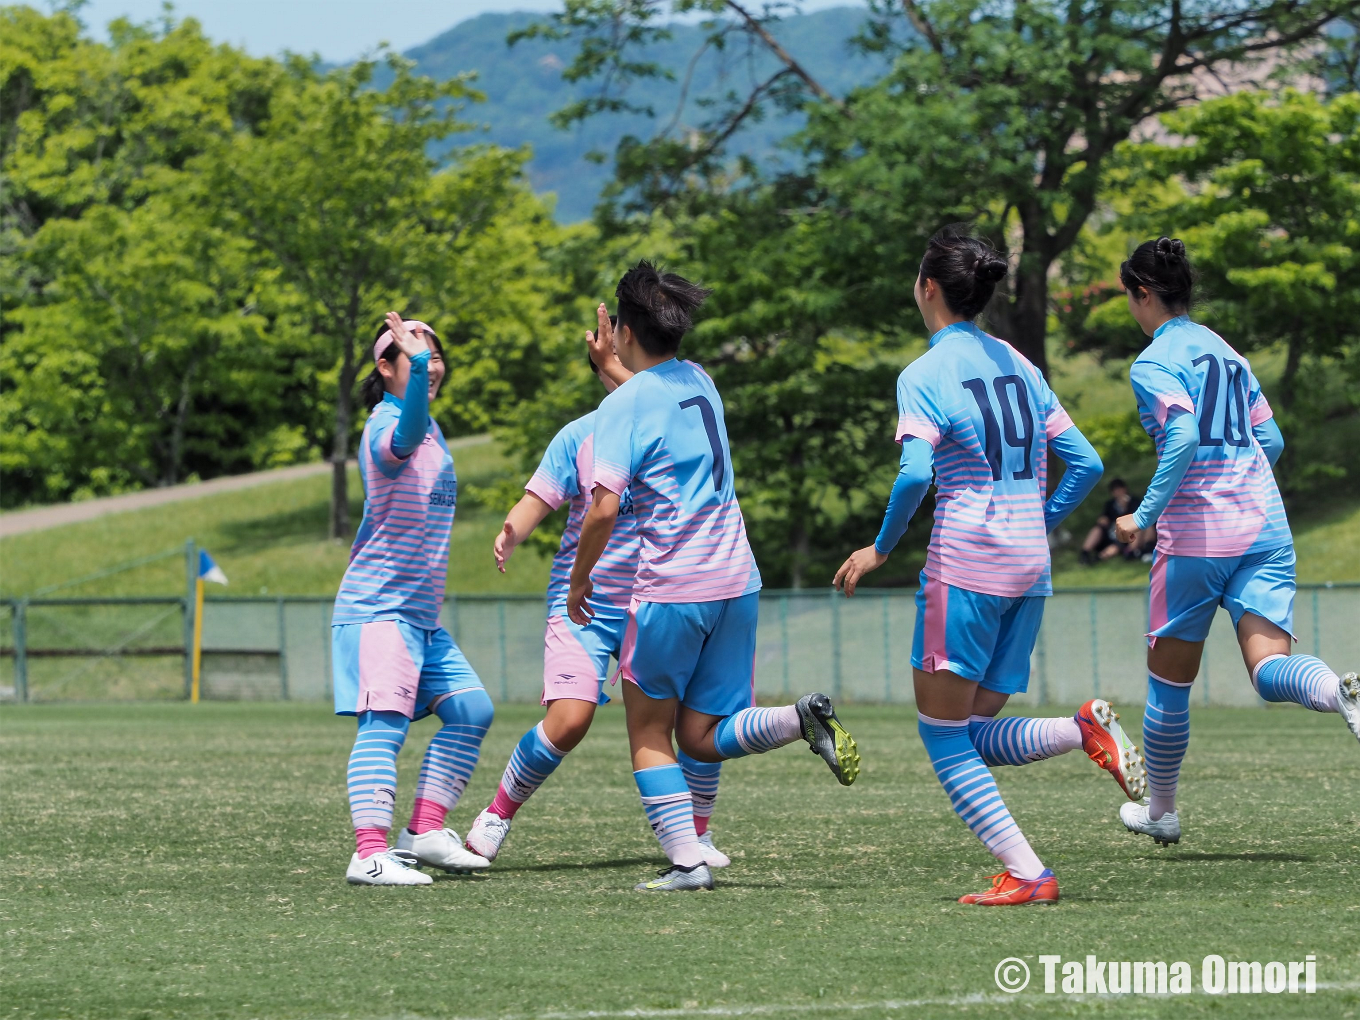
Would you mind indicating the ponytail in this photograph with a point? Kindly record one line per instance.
(1161, 267)
(966, 268)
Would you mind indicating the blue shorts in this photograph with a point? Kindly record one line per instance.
(703, 653)
(390, 666)
(986, 638)
(1186, 591)
(576, 658)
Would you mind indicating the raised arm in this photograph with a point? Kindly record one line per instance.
(1084, 469)
(414, 421)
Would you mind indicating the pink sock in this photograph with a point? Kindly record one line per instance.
(370, 841)
(700, 824)
(426, 816)
(503, 805)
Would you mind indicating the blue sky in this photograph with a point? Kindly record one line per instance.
(336, 29)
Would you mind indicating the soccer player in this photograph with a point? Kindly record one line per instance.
(689, 647)
(575, 658)
(393, 662)
(979, 417)
(1222, 535)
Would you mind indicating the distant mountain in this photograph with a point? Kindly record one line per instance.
(524, 85)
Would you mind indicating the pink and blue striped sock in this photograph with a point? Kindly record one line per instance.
(372, 777)
(973, 792)
(756, 730)
(1166, 735)
(532, 762)
(451, 756)
(702, 779)
(1301, 679)
(670, 811)
(1015, 740)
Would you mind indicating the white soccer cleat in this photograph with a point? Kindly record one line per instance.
(390, 867)
(487, 834)
(1348, 702)
(713, 857)
(1165, 830)
(441, 848)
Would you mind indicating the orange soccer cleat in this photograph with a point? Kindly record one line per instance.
(1106, 744)
(1009, 891)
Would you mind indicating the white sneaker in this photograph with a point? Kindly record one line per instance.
(713, 857)
(441, 848)
(1348, 701)
(487, 834)
(390, 867)
(1165, 830)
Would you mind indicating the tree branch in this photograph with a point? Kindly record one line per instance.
(921, 24)
(772, 44)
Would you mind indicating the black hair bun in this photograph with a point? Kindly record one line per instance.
(990, 268)
(1170, 248)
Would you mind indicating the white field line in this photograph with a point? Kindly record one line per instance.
(827, 1006)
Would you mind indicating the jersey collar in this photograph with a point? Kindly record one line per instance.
(956, 329)
(1179, 320)
(394, 401)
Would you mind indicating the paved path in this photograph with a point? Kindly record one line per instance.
(39, 518)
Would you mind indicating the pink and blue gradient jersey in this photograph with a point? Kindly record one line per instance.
(564, 475)
(661, 436)
(1227, 504)
(989, 416)
(400, 556)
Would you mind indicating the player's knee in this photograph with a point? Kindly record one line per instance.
(468, 708)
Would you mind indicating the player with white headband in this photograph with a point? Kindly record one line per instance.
(393, 662)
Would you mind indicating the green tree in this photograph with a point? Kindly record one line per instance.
(1001, 113)
(337, 188)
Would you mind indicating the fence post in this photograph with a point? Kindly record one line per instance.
(784, 636)
(1317, 628)
(1095, 646)
(835, 644)
(505, 666)
(283, 654)
(887, 649)
(20, 622)
(191, 580)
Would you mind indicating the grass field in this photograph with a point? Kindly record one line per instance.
(187, 861)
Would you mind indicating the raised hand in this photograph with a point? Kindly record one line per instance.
(601, 346)
(406, 341)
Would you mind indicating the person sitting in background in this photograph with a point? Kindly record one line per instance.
(1101, 541)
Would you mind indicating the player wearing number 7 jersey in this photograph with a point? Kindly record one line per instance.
(689, 646)
(980, 418)
(1222, 536)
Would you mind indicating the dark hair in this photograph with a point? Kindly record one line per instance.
(967, 269)
(613, 321)
(656, 306)
(373, 387)
(1118, 483)
(1162, 268)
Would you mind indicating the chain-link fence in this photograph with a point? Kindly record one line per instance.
(1091, 644)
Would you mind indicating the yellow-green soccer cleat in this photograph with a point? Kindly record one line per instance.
(678, 879)
(827, 737)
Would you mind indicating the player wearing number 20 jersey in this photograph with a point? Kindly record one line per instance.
(1224, 519)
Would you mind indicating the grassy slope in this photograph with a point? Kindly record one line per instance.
(178, 861)
(268, 540)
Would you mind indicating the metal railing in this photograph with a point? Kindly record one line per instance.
(1091, 644)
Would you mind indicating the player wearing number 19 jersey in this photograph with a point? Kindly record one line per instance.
(689, 648)
(980, 417)
(1222, 535)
